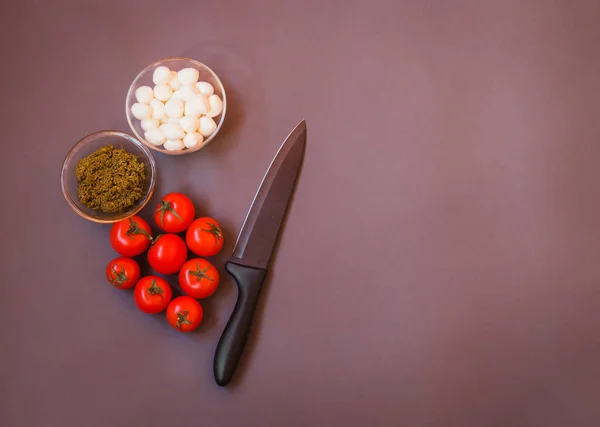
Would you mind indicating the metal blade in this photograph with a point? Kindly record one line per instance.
(259, 231)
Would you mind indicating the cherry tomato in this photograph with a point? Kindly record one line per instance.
(184, 314)
(175, 213)
(204, 237)
(123, 272)
(130, 237)
(152, 294)
(167, 254)
(198, 278)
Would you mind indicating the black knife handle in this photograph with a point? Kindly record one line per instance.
(249, 282)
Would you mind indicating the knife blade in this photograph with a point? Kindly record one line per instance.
(254, 248)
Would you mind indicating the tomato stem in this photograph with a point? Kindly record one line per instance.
(215, 230)
(134, 229)
(154, 289)
(182, 319)
(119, 276)
(200, 274)
(166, 206)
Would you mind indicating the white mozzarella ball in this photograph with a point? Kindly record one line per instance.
(175, 83)
(207, 125)
(161, 75)
(189, 123)
(186, 92)
(174, 145)
(174, 108)
(172, 130)
(163, 92)
(193, 139)
(216, 106)
(205, 88)
(188, 76)
(141, 111)
(144, 94)
(196, 106)
(148, 124)
(155, 137)
(158, 109)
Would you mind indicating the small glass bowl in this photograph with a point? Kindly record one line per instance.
(144, 78)
(87, 146)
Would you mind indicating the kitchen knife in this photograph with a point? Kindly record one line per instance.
(254, 247)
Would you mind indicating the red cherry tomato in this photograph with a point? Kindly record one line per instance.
(175, 213)
(152, 294)
(184, 314)
(167, 254)
(204, 237)
(123, 272)
(130, 237)
(198, 278)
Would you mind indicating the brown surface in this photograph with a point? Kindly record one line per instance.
(439, 266)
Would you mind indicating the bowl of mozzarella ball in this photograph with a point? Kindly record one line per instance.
(176, 105)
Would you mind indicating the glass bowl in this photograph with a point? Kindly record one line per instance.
(144, 78)
(87, 146)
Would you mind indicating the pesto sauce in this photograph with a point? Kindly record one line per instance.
(111, 180)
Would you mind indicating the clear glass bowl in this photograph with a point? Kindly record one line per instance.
(144, 78)
(88, 145)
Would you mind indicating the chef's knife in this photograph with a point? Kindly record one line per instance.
(254, 247)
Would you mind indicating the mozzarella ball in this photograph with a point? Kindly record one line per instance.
(216, 106)
(154, 137)
(205, 88)
(141, 111)
(172, 130)
(174, 108)
(175, 83)
(163, 92)
(186, 92)
(174, 120)
(193, 139)
(144, 94)
(161, 75)
(158, 109)
(188, 76)
(174, 145)
(148, 124)
(207, 125)
(197, 105)
(189, 123)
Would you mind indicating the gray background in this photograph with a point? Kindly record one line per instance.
(439, 266)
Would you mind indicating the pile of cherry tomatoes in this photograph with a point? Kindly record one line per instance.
(168, 255)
